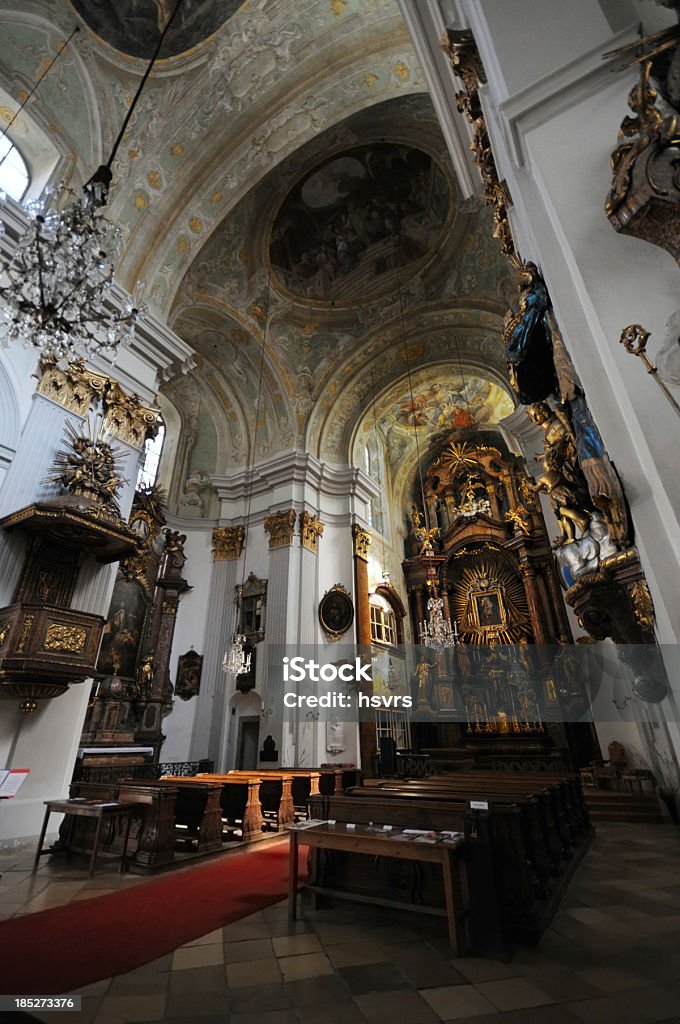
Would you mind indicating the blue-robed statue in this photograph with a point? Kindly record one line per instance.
(528, 345)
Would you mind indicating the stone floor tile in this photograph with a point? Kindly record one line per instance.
(256, 972)
(512, 993)
(197, 956)
(435, 972)
(609, 979)
(307, 965)
(187, 1005)
(373, 978)
(199, 979)
(260, 998)
(292, 945)
(323, 990)
(404, 1005)
(249, 949)
(139, 984)
(343, 1013)
(265, 1017)
(351, 954)
(476, 969)
(603, 1011)
(651, 1002)
(454, 1002)
(130, 1008)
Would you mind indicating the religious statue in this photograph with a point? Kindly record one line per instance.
(425, 536)
(565, 502)
(422, 676)
(145, 675)
(562, 479)
(517, 516)
(528, 344)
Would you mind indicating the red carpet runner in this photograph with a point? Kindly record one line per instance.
(59, 950)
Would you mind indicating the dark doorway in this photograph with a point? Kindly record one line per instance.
(246, 743)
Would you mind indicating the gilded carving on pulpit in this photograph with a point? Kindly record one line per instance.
(644, 198)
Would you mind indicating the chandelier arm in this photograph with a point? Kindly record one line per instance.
(39, 255)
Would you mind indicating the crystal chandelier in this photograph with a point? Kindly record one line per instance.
(236, 660)
(436, 631)
(56, 287)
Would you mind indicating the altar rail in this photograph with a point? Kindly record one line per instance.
(113, 773)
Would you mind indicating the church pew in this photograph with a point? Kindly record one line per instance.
(542, 860)
(275, 790)
(542, 810)
(152, 838)
(239, 802)
(197, 809)
(556, 795)
(568, 786)
(501, 885)
(305, 782)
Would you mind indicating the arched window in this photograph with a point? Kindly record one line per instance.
(383, 621)
(152, 457)
(14, 175)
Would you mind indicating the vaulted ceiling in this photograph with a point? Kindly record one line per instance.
(287, 198)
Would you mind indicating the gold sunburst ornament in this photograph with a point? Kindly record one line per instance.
(459, 458)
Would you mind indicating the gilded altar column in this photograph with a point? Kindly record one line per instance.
(211, 717)
(361, 539)
(534, 602)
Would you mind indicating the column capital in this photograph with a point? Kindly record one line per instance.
(361, 542)
(311, 529)
(228, 542)
(280, 527)
(76, 388)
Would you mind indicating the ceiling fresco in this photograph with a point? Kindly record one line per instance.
(135, 26)
(436, 402)
(357, 219)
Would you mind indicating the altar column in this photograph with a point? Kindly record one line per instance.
(211, 715)
(368, 745)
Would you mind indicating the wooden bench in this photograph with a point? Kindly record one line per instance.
(239, 802)
(305, 783)
(528, 866)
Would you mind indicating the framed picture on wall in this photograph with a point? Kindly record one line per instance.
(489, 609)
(336, 612)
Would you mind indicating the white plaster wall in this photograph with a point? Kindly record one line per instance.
(189, 632)
(47, 745)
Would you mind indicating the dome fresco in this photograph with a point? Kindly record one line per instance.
(348, 227)
(134, 26)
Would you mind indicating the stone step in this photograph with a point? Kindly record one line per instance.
(604, 805)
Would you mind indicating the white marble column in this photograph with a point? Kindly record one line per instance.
(211, 724)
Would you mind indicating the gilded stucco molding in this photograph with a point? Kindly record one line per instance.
(77, 388)
(461, 49)
(361, 541)
(280, 527)
(311, 529)
(228, 542)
